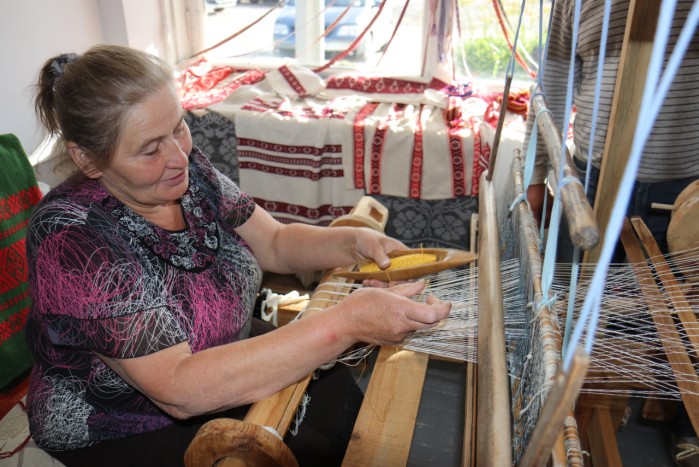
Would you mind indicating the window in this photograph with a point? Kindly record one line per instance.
(293, 29)
(482, 49)
(400, 40)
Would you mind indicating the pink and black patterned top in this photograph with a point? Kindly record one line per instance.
(103, 279)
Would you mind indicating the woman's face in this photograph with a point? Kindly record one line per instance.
(150, 166)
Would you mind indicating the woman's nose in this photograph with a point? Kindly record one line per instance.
(176, 152)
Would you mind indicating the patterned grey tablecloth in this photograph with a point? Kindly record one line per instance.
(214, 134)
(444, 223)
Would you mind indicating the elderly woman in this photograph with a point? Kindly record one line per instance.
(144, 269)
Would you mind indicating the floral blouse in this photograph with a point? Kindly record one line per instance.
(103, 279)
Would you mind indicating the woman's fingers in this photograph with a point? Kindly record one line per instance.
(408, 289)
(429, 314)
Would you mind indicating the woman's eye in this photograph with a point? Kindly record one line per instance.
(151, 152)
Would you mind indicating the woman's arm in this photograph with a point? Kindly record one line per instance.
(290, 248)
(185, 384)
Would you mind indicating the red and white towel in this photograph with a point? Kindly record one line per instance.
(308, 150)
(291, 159)
(419, 151)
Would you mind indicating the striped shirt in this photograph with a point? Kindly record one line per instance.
(672, 151)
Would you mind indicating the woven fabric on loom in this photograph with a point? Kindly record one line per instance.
(19, 193)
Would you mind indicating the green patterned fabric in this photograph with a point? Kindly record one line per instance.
(18, 195)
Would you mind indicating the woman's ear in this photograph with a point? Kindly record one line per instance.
(83, 160)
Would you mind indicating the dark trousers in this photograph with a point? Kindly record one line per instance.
(321, 440)
(644, 194)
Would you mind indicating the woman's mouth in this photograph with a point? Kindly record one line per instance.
(177, 179)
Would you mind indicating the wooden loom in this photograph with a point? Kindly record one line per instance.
(384, 427)
(600, 417)
(386, 441)
(394, 389)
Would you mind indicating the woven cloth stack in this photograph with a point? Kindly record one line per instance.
(19, 193)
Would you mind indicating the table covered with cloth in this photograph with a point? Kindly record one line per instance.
(308, 148)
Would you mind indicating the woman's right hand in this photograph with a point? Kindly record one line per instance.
(387, 315)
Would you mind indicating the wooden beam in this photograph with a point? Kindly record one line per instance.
(494, 437)
(384, 429)
(673, 290)
(579, 215)
(559, 400)
(626, 105)
(603, 445)
(468, 453)
(675, 351)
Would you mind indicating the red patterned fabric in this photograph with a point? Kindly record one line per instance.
(359, 138)
(293, 81)
(19, 193)
(416, 161)
(382, 85)
(291, 160)
(202, 85)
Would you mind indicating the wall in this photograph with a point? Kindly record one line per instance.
(32, 31)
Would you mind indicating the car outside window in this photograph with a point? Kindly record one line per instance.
(480, 48)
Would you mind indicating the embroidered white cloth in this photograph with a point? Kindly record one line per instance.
(294, 81)
(308, 149)
(416, 151)
(290, 159)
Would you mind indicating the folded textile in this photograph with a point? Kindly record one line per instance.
(422, 151)
(388, 89)
(19, 193)
(294, 81)
(290, 159)
(202, 85)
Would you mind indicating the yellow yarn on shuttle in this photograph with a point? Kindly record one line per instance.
(401, 262)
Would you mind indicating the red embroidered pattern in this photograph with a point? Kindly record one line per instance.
(456, 151)
(12, 205)
(14, 301)
(199, 99)
(383, 85)
(262, 106)
(308, 174)
(289, 149)
(13, 324)
(481, 156)
(12, 230)
(14, 259)
(280, 209)
(358, 140)
(375, 85)
(286, 160)
(375, 159)
(293, 81)
(417, 159)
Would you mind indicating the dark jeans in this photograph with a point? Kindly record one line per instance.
(321, 440)
(643, 195)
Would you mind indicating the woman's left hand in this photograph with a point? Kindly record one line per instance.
(375, 246)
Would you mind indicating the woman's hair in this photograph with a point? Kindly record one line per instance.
(84, 98)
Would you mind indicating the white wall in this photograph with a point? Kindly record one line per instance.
(33, 31)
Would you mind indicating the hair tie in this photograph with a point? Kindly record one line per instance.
(58, 66)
